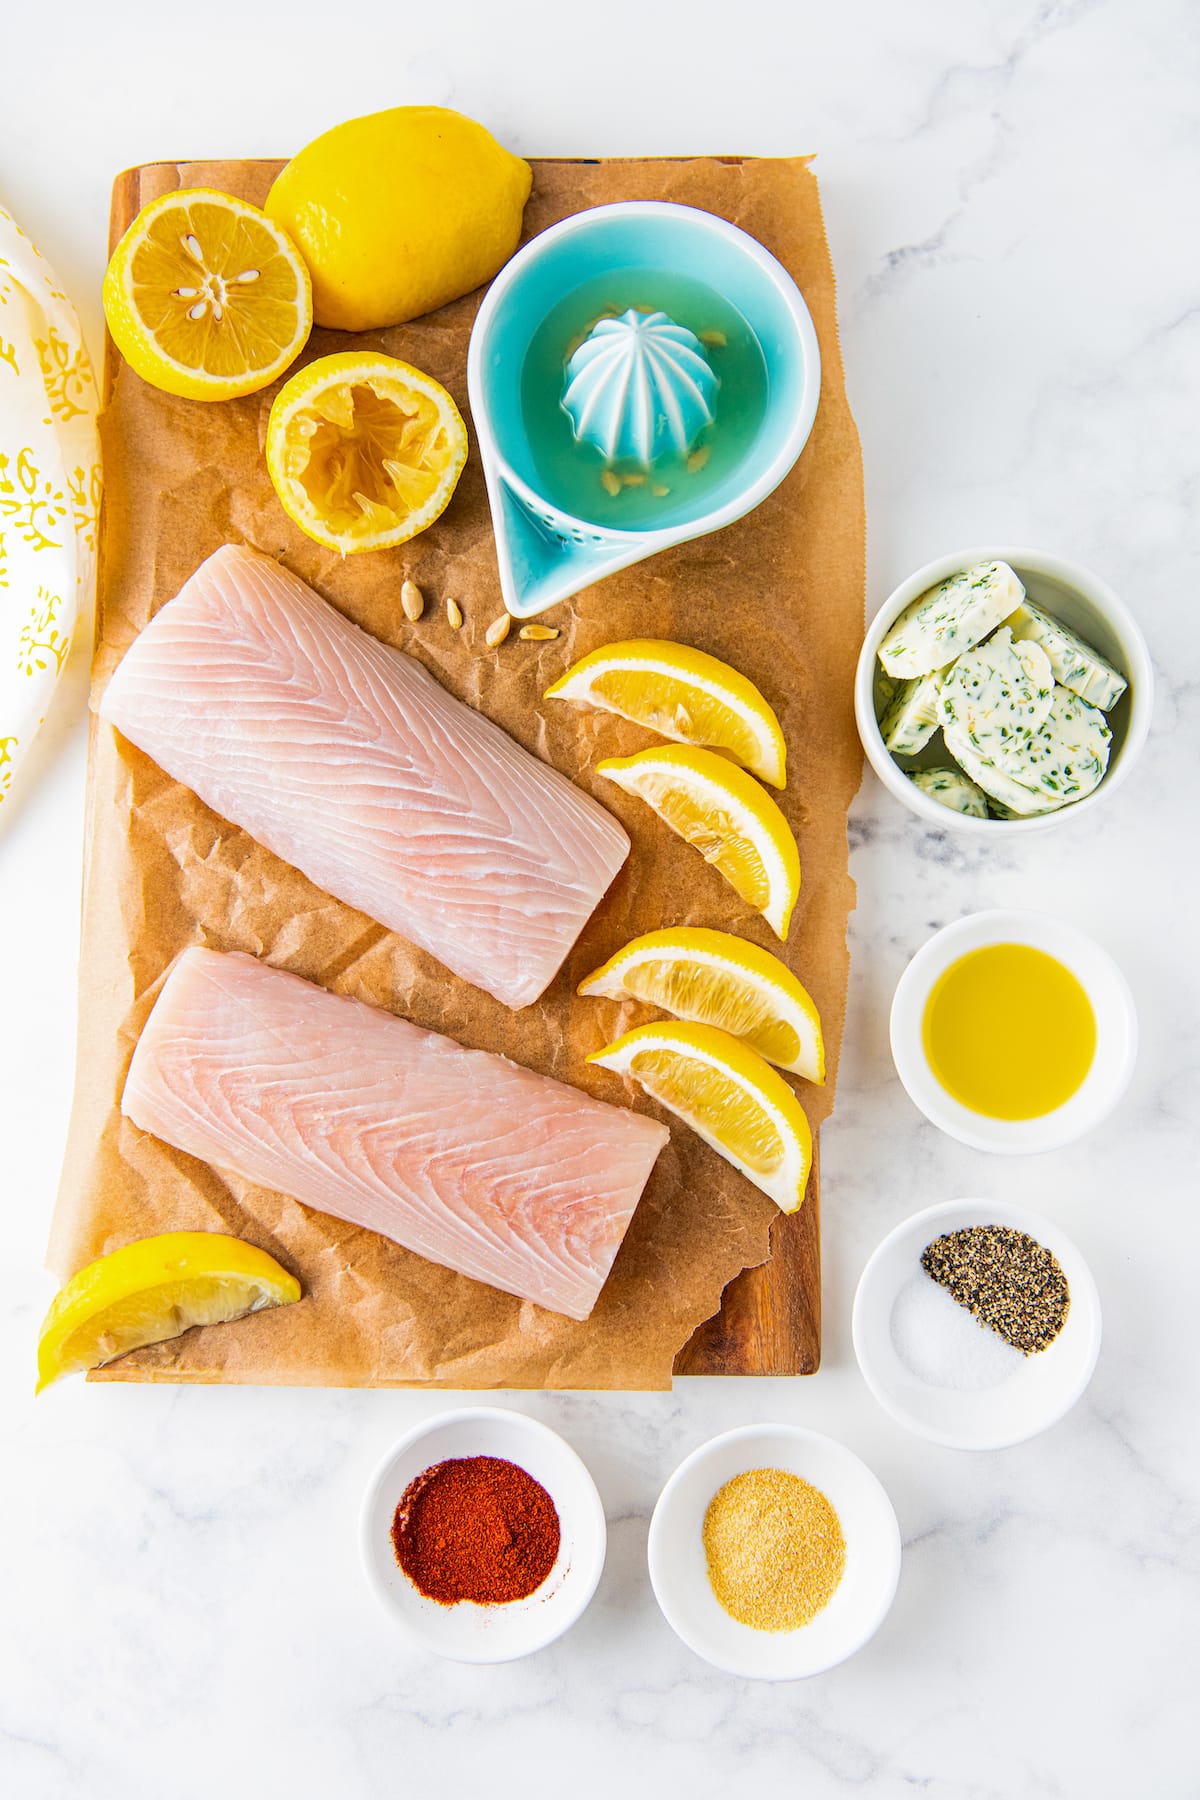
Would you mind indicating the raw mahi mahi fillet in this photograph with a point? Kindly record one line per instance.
(462, 1156)
(348, 760)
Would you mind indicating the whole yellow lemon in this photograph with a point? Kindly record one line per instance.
(399, 212)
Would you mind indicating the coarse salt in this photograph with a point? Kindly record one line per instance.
(940, 1342)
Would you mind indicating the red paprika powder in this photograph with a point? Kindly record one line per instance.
(476, 1528)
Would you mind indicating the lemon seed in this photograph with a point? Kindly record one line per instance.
(610, 483)
(497, 631)
(538, 634)
(698, 458)
(412, 600)
(454, 615)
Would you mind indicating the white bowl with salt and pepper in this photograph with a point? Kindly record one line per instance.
(940, 1372)
(1076, 598)
(465, 1632)
(679, 1569)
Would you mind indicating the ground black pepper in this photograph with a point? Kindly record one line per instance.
(1005, 1278)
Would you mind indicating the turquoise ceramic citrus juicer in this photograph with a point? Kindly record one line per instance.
(635, 386)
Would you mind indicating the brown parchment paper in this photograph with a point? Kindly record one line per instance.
(779, 595)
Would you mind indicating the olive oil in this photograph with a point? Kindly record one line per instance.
(574, 476)
(1009, 1032)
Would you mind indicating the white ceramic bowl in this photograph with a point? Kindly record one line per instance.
(488, 1634)
(679, 1572)
(1116, 1032)
(1071, 593)
(1042, 1387)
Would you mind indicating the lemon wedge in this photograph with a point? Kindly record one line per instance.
(720, 809)
(364, 451)
(728, 1095)
(714, 978)
(683, 694)
(206, 297)
(153, 1289)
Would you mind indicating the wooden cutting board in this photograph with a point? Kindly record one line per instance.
(769, 1322)
(770, 1317)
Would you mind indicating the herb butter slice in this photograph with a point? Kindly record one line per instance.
(950, 787)
(1076, 664)
(996, 696)
(952, 617)
(997, 784)
(1066, 757)
(911, 716)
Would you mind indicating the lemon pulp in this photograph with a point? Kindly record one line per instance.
(365, 452)
(702, 1092)
(1009, 1032)
(707, 994)
(206, 297)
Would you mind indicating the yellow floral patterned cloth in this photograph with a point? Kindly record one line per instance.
(49, 488)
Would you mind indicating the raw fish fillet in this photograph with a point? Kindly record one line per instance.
(348, 760)
(462, 1156)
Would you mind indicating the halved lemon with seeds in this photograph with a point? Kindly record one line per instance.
(364, 450)
(681, 693)
(714, 978)
(206, 297)
(732, 821)
(154, 1289)
(728, 1095)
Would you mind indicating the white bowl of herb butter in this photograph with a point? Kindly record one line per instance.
(976, 1324)
(1003, 690)
(774, 1552)
(1013, 1032)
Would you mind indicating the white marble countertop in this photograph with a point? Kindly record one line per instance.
(1010, 190)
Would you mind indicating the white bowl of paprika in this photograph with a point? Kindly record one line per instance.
(483, 1535)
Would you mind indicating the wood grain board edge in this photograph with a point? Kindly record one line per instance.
(769, 1321)
(770, 1317)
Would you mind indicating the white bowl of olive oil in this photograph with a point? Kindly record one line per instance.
(1013, 1032)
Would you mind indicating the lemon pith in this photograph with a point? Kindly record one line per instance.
(726, 815)
(728, 1095)
(364, 451)
(399, 212)
(682, 693)
(206, 297)
(715, 978)
(152, 1289)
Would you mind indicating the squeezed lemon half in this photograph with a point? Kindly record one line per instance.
(364, 451)
(732, 821)
(714, 978)
(154, 1289)
(728, 1095)
(681, 693)
(206, 297)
